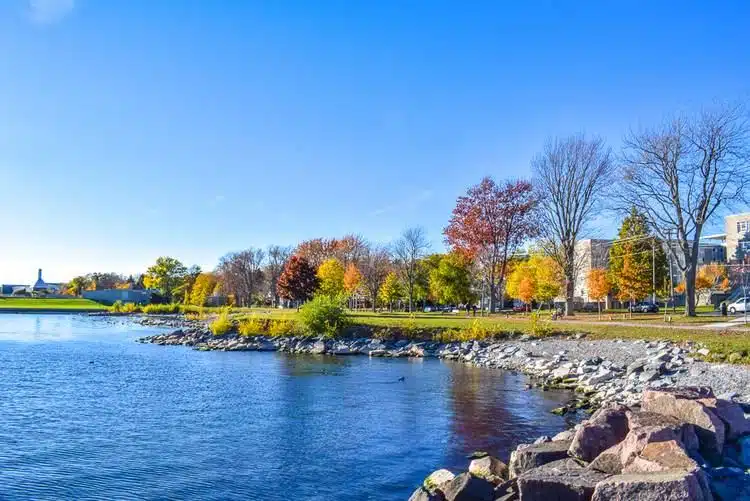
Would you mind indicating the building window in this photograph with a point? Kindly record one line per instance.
(743, 226)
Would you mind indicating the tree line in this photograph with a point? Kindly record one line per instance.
(517, 237)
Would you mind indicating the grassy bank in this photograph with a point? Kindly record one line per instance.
(44, 304)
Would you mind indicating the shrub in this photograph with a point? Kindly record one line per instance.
(539, 327)
(324, 316)
(252, 326)
(116, 307)
(131, 308)
(281, 328)
(161, 309)
(223, 324)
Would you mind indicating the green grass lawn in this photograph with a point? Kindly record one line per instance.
(721, 343)
(22, 303)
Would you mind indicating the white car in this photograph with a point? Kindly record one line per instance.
(739, 306)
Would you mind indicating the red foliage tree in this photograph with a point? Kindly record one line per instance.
(490, 223)
(317, 250)
(298, 280)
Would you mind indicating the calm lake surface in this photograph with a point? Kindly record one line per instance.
(87, 413)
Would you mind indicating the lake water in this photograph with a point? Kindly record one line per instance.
(87, 413)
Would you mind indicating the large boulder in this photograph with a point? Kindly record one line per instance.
(467, 487)
(436, 480)
(606, 427)
(422, 494)
(615, 459)
(691, 405)
(731, 414)
(661, 456)
(565, 480)
(675, 485)
(529, 456)
(684, 431)
(489, 468)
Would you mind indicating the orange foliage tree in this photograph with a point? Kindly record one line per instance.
(599, 286)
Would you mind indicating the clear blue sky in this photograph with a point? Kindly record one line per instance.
(133, 129)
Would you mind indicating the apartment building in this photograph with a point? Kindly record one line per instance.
(737, 234)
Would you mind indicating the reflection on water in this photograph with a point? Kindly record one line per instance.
(87, 413)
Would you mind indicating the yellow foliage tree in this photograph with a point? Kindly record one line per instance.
(204, 286)
(539, 278)
(391, 290)
(599, 286)
(633, 281)
(331, 277)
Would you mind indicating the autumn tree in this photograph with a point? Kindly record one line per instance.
(451, 280)
(711, 277)
(317, 250)
(645, 254)
(350, 249)
(77, 285)
(297, 281)
(102, 281)
(408, 250)
(391, 290)
(202, 288)
(680, 174)
(599, 286)
(374, 268)
(352, 279)
(241, 274)
(538, 278)
(165, 275)
(331, 278)
(276, 257)
(571, 177)
(490, 223)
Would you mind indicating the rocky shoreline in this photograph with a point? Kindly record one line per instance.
(658, 431)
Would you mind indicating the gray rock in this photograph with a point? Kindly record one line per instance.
(467, 487)
(489, 468)
(527, 457)
(667, 486)
(318, 348)
(564, 479)
(437, 480)
(422, 495)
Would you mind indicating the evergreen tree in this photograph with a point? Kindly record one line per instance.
(634, 257)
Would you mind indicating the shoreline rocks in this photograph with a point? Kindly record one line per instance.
(634, 454)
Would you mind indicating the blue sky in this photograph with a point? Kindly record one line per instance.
(131, 129)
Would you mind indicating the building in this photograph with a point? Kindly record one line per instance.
(38, 287)
(590, 254)
(737, 234)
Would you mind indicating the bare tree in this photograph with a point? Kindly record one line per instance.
(350, 249)
(681, 173)
(407, 251)
(277, 257)
(241, 274)
(375, 264)
(570, 175)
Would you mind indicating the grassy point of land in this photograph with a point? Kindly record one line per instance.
(44, 304)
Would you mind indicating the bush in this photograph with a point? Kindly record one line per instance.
(252, 326)
(161, 309)
(116, 307)
(223, 324)
(281, 328)
(131, 308)
(539, 327)
(324, 316)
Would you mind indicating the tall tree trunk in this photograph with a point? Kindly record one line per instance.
(690, 288)
(569, 294)
(493, 300)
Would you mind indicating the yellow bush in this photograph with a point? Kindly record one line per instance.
(251, 326)
(282, 328)
(222, 324)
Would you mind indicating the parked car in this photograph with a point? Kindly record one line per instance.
(739, 306)
(645, 307)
